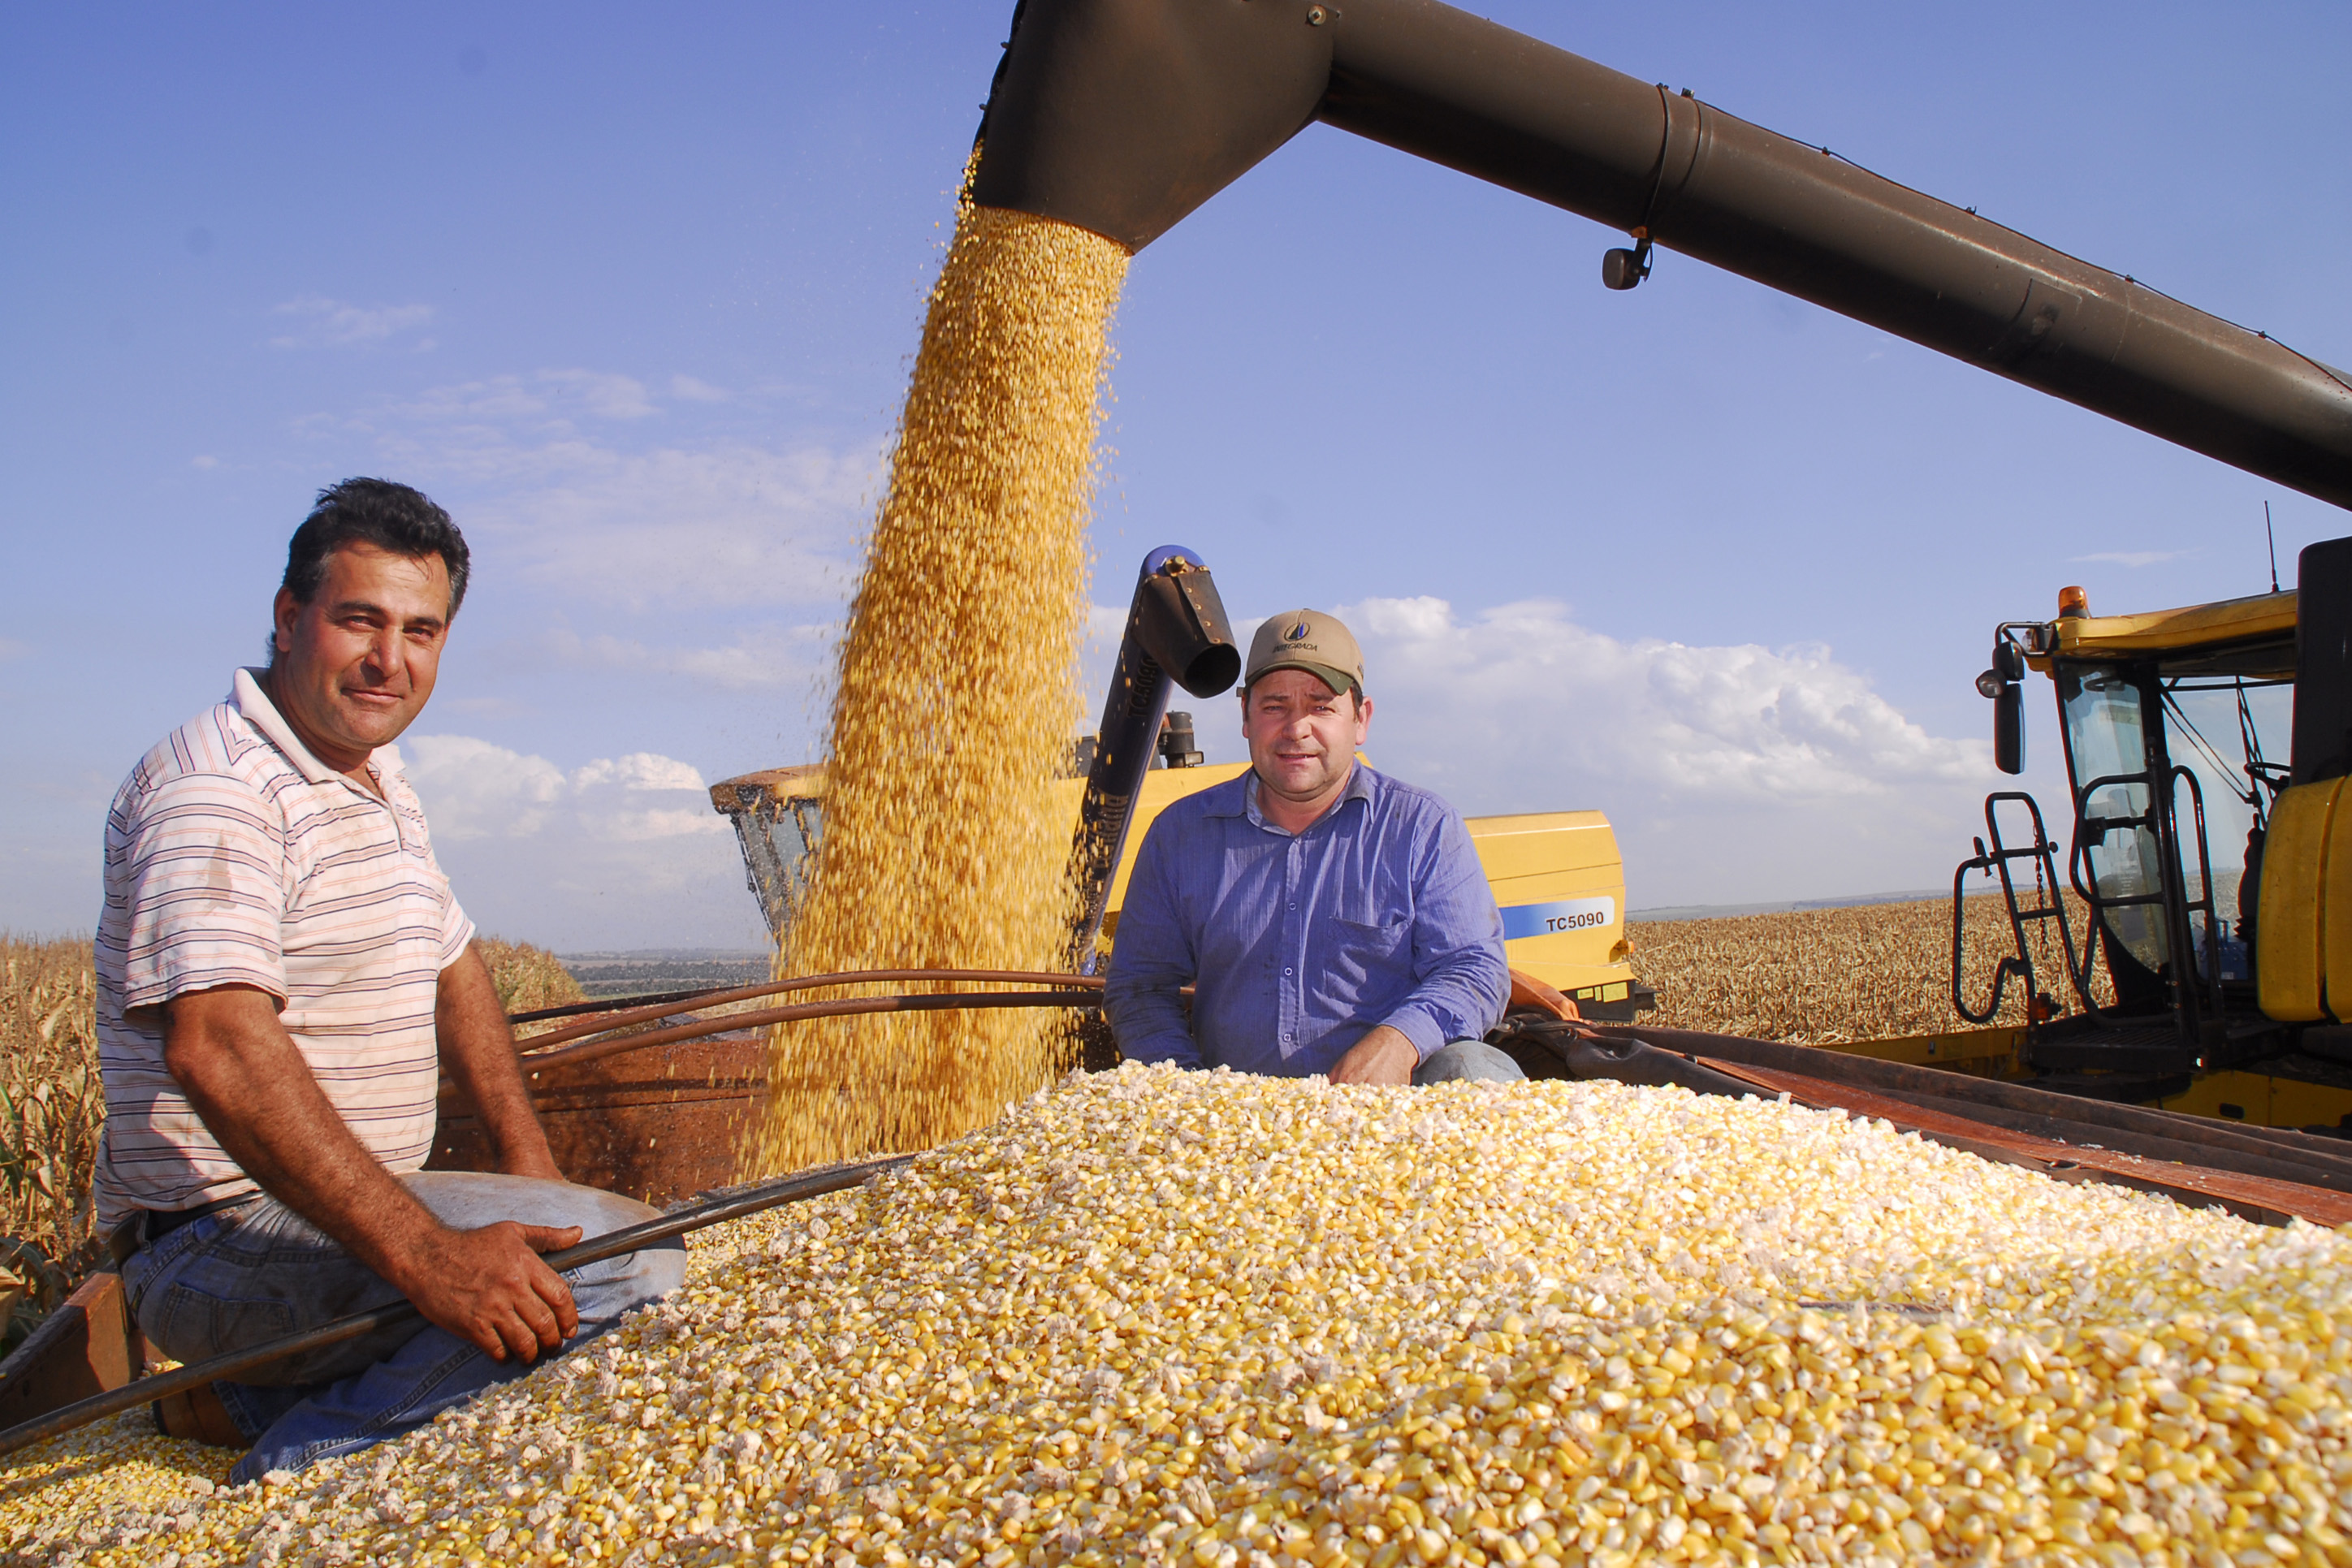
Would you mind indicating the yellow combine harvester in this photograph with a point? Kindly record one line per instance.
(2218, 880)
(1557, 875)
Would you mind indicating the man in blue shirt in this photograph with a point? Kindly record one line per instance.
(1330, 920)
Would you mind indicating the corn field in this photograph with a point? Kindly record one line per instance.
(51, 1110)
(1825, 977)
(529, 979)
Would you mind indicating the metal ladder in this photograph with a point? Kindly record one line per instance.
(2049, 904)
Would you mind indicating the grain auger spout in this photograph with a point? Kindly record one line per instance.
(1122, 116)
(1176, 636)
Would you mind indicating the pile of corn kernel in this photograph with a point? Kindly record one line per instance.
(1205, 1319)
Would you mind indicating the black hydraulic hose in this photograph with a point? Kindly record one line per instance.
(1635, 1062)
(794, 1188)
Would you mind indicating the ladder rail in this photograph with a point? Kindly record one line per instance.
(2050, 903)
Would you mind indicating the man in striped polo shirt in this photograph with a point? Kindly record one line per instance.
(283, 976)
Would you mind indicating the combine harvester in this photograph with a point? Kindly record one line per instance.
(2231, 978)
(1123, 116)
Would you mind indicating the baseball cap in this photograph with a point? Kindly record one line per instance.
(1311, 641)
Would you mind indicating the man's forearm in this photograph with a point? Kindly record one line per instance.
(1150, 1025)
(247, 1080)
(478, 1051)
(1461, 994)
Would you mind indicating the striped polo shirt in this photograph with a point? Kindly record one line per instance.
(236, 857)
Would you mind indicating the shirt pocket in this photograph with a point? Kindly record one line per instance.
(1367, 946)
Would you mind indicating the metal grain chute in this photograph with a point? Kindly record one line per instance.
(1122, 116)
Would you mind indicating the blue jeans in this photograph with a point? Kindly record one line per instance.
(256, 1272)
(1468, 1062)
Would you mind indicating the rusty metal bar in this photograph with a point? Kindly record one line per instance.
(844, 1007)
(2266, 1200)
(668, 1006)
(1901, 1078)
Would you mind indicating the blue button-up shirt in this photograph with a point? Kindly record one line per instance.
(1300, 946)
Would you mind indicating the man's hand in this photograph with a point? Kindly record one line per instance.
(1383, 1056)
(491, 1286)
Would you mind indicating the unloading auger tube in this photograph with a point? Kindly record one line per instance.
(1177, 635)
(1122, 116)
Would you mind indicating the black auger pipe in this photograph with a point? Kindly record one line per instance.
(1176, 635)
(1122, 116)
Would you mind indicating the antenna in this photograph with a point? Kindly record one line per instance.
(2272, 537)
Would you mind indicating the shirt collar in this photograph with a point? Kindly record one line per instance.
(1245, 798)
(262, 713)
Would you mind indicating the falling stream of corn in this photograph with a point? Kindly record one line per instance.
(955, 705)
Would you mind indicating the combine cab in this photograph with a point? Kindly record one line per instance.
(2206, 751)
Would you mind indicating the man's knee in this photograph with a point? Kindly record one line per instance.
(603, 1291)
(1468, 1062)
(645, 1275)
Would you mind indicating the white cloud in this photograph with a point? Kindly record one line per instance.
(1688, 724)
(203, 462)
(694, 389)
(760, 658)
(537, 399)
(1729, 771)
(475, 789)
(323, 323)
(727, 525)
(619, 851)
(2136, 557)
(528, 465)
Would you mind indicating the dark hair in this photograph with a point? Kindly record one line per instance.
(373, 512)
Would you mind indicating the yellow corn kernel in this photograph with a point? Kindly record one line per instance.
(1051, 1341)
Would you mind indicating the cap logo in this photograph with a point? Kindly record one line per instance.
(1297, 634)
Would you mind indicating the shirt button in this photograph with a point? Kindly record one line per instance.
(1285, 971)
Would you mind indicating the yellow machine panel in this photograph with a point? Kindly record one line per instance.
(1561, 885)
(2259, 618)
(2290, 940)
(2262, 1100)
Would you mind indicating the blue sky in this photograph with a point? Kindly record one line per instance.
(634, 294)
